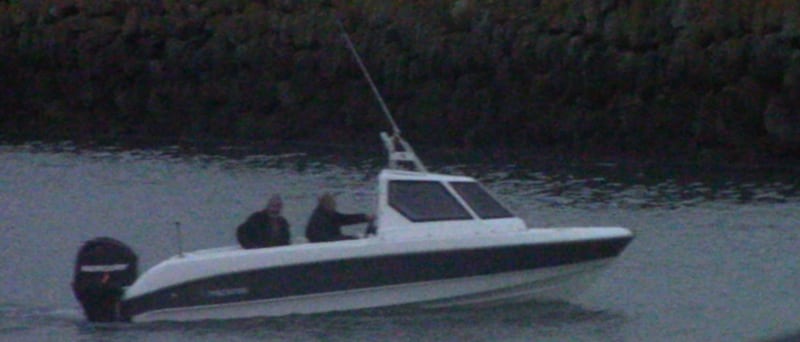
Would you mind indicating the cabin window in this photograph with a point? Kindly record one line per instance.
(481, 201)
(425, 201)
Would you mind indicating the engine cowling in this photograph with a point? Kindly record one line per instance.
(104, 267)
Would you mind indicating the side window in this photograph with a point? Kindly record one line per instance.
(481, 202)
(425, 201)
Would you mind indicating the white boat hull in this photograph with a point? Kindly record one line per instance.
(468, 251)
(551, 284)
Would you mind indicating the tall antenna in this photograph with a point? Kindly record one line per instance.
(399, 149)
(368, 77)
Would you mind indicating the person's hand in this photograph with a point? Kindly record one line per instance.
(370, 217)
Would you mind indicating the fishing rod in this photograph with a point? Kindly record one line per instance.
(179, 235)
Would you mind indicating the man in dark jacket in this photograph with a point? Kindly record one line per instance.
(265, 228)
(326, 223)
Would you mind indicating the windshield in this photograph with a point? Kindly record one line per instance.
(481, 201)
(425, 201)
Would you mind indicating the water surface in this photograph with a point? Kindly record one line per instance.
(715, 256)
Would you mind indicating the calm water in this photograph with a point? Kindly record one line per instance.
(716, 257)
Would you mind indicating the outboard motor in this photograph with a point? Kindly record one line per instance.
(103, 268)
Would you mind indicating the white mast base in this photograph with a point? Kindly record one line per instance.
(401, 153)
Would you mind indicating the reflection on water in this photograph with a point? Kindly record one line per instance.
(508, 322)
(635, 186)
(607, 186)
(548, 182)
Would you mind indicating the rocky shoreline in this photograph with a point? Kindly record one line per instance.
(650, 77)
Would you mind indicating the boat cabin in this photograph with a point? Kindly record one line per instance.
(418, 204)
(424, 205)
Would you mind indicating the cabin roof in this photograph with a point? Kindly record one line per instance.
(393, 174)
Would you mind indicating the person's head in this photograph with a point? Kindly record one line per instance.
(275, 205)
(327, 202)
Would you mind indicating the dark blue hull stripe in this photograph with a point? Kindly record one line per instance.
(360, 273)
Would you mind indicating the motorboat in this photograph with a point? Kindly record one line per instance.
(437, 240)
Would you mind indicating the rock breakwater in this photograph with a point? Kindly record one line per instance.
(619, 76)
